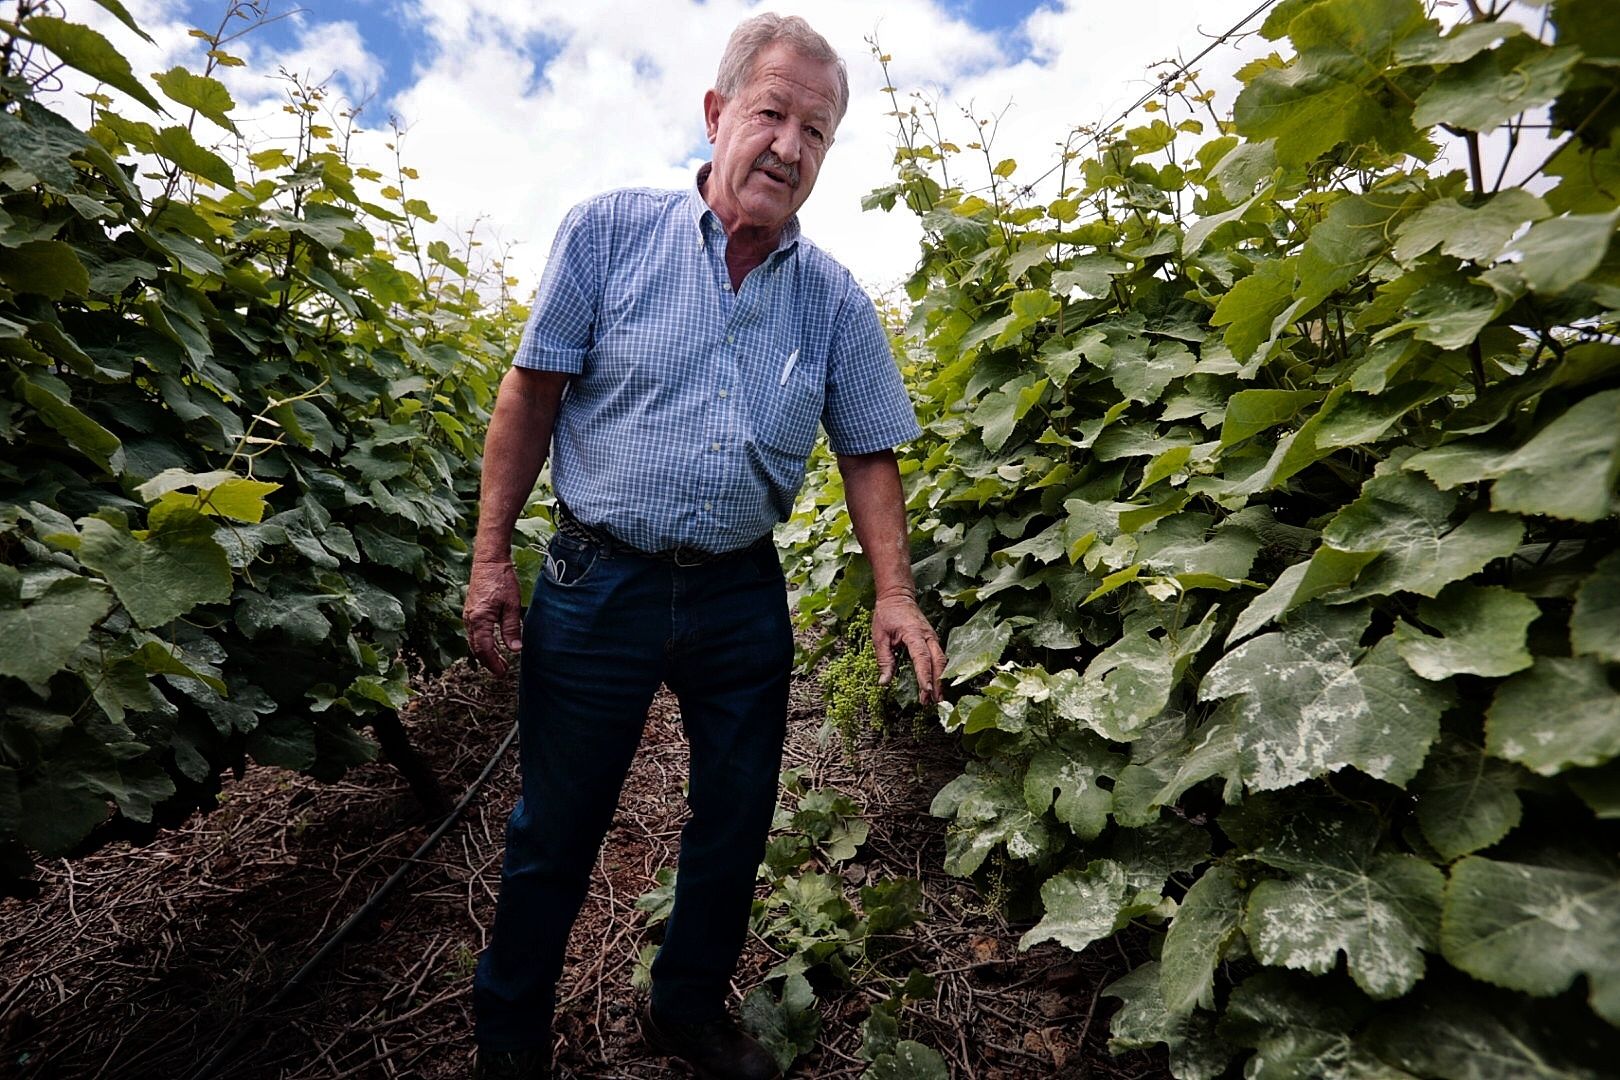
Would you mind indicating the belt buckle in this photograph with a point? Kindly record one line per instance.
(685, 556)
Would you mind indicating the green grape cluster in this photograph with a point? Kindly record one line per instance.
(849, 685)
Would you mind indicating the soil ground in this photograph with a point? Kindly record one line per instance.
(145, 962)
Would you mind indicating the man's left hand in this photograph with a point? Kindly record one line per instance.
(897, 621)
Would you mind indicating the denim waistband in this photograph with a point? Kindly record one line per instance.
(570, 526)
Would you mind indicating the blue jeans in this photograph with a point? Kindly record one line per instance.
(603, 631)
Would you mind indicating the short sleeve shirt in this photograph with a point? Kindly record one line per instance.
(693, 408)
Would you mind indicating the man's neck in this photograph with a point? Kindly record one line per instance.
(747, 246)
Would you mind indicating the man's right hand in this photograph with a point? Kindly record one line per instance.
(493, 614)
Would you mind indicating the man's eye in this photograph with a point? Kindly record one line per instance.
(815, 133)
(770, 114)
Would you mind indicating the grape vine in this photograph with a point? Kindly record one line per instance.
(1268, 494)
(241, 412)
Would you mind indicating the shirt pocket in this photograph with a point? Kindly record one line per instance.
(787, 411)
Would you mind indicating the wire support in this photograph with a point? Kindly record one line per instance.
(1160, 87)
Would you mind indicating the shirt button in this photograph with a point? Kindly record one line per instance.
(708, 504)
(724, 393)
(714, 446)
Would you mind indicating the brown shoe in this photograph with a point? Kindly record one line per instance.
(512, 1065)
(716, 1049)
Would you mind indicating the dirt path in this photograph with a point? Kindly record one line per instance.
(141, 962)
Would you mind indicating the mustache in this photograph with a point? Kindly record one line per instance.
(769, 160)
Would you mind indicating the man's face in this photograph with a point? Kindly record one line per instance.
(769, 138)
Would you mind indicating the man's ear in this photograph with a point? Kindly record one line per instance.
(712, 104)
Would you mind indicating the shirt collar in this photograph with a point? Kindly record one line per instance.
(704, 217)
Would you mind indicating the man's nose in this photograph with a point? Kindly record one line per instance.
(788, 144)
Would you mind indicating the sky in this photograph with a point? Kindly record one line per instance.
(514, 111)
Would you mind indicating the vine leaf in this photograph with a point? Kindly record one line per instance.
(1081, 906)
(162, 576)
(1464, 41)
(42, 145)
(1128, 684)
(47, 268)
(207, 95)
(1301, 1028)
(41, 633)
(56, 810)
(121, 13)
(1449, 312)
(1150, 855)
(1594, 626)
(1482, 632)
(987, 811)
(1249, 412)
(1209, 918)
(1311, 700)
(976, 645)
(1183, 544)
(1566, 470)
(786, 1025)
(1463, 1029)
(1470, 233)
(1251, 306)
(1563, 712)
(1143, 1021)
(1063, 778)
(1493, 87)
(1326, 571)
(1557, 254)
(294, 611)
(1535, 928)
(220, 491)
(1342, 896)
(181, 147)
(86, 50)
(1408, 521)
(1354, 231)
(1333, 91)
(999, 412)
(1143, 787)
(908, 1060)
(1143, 376)
(1466, 799)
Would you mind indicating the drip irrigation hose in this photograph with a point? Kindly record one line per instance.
(246, 1025)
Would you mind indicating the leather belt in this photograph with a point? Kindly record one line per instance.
(570, 526)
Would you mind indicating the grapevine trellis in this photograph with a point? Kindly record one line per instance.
(242, 415)
(1268, 494)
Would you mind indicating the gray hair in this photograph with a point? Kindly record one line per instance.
(753, 35)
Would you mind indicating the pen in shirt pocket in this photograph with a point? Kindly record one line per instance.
(787, 368)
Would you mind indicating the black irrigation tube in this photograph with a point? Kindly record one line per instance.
(247, 1024)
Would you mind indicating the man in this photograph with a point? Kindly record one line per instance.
(699, 339)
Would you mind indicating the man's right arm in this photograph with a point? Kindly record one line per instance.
(514, 450)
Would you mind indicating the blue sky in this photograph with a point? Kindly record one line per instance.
(514, 110)
(393, 33)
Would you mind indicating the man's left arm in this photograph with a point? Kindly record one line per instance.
(878, 511)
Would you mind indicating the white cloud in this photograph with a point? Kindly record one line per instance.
(514, 112)
(618, 101)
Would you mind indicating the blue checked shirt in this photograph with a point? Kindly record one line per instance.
(692, 408)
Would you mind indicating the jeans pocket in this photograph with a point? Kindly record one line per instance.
(766, 562)
(569, 562)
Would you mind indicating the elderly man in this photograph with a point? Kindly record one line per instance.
(682, 349)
